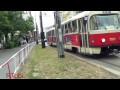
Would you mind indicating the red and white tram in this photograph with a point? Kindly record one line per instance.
(90, 32)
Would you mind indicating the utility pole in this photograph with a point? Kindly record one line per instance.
(42, 33)
(59, 34)
(36, 30)
(36, 34)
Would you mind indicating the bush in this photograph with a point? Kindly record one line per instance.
(10, 44)
(16, 43)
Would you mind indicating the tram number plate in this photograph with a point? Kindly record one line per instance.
(112, 39)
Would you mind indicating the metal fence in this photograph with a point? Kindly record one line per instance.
(10, 67)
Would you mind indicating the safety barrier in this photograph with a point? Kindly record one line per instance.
(9, 68)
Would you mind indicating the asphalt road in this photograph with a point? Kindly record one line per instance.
(7, 54)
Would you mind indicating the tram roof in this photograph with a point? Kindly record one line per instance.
(85, 13)
(51, 28)
(80, 15)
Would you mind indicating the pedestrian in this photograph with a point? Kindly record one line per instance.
(24, 40)
(27, 39)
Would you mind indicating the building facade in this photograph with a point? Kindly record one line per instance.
(68, 14)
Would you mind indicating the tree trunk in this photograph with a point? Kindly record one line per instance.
(12, 36)
(6, 37)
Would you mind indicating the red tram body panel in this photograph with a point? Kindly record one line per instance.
(74, 39)
(95, 40)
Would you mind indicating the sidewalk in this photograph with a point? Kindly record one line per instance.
(8, 53)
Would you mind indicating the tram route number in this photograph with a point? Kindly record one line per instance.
(112, 39)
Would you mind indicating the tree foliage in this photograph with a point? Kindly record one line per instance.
(5, 24)
(12, 21)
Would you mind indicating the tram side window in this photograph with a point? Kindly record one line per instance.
(48, 33)
(79, 25)
(66, 29)
(74, 24)
(63, 29)
(69, 27)
(52, 32)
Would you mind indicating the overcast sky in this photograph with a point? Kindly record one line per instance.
(47, 17)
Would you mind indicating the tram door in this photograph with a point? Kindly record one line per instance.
(84, 36)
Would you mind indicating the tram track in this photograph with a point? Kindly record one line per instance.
(97, 59)
(103, 57)
(91, 58)
(102, 61)
(111, 64)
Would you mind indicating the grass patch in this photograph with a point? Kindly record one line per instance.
(44, 64)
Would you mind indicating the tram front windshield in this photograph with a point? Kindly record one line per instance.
(104, 22)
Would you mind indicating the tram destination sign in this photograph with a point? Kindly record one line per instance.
(106, 12)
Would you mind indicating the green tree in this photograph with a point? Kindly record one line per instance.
(27, 25)
(12, 21)
(5, 24)
(15, 19)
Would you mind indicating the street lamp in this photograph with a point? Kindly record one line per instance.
(42, 33)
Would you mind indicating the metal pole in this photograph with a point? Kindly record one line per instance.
(56, 33)
(42, 32)
(36, 30)
(59, 34)
(36, 34)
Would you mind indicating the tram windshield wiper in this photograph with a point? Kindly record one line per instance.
(118, 23)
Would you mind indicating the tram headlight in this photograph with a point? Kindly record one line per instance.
(92, 40)
(103, 39)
